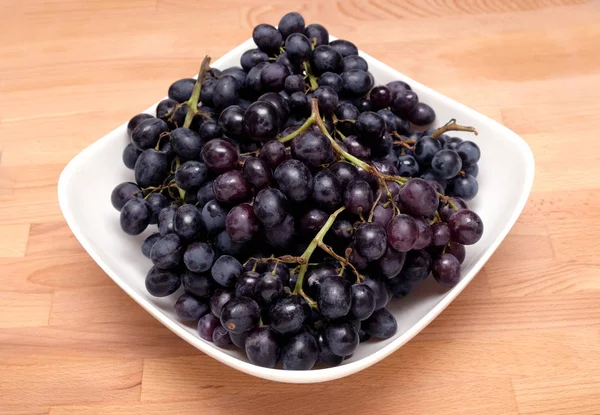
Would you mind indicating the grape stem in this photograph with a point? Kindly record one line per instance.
(308, 253)
(309, 121)
(311, 78)
(379, 193)
(453, 126)
(180, 190)
(344, 262)
(192, 103)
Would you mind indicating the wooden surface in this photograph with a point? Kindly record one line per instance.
(523, 338)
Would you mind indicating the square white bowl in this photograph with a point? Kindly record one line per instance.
(505, 180)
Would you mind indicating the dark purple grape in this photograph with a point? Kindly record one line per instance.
(391, 120)
(225, 245)
(344, 47)
(226, 92)
(200, 285)
(253, 82)
(391, 263)
(268, 288)
(345, 172)
(407, 166)
(317, 34)
(327, 190)
(181, 90)
(341, 338)
(312, 148)
(239, 340)
(426, 148)
(167, 252)
(209, 130)
(288, 314)
(241, 223)
(357, 148)
(292, 22)
(341, 233)
(380, 97)
(381, 324)
(316, 275)
(404, 103)
(207, 91)
(231, 187)
(356, 83)
(294, 83)
(382, 295)
(130, 156)
(151, 168)
(452, 143)
(206, 326)
(370, 127)
(136, 120)
(282, 235)
(446, 210)
(431, 178)
(261, 121)
(469, 153)
(362, 104)
(147, 132)
(299, 104)
(220, 297)
(281, 270)
(272, 76)
(240, 314)
(257, 173)
(358, 197)
(446, 270)
(187, 221)
(214, 216)
(382, 215)
(226, 270)
(440, 234)
(355, 62)
(416, 267)
(422, 115)
(189, 308)
(250, 59)
(312, 221)
(221, 336)
(135, 216)
(397, 86)
(220, 155)
(149, 243)
(300, 352)
(370, 239)
(165, 220)
(124, 192)
(191, 175)
(326, 59)
(270, 206)
(230, 121)
(346, 111)
(334, 297)
(363, 301)
(156, 202)
(262, 347)
(298, 48)
(457, 250)
(326, 356)
(402, 233)
(279, 102)
(418, 198)
(272, 153)
(294, 180)
(332, 80)
(465, 187)
(161, 282)
(245, 284)
(267, 38)
(472, 170)
(327, 99)
(466, 227)
(446, 164)
(425, 234)
(356, 259)
(363, 336)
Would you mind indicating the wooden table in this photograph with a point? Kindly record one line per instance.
(523, 338)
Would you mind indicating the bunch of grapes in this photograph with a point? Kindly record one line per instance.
(294, 198)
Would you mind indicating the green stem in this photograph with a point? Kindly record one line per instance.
(311, 78)
(453, 126)
(192, 103)
(309, 121)
(181, 191)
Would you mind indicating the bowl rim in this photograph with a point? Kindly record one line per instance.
(314, 375)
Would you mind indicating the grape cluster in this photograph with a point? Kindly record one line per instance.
(294, 198)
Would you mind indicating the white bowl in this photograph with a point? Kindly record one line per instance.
(505, 180)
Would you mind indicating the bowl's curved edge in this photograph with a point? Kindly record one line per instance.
(318, 375)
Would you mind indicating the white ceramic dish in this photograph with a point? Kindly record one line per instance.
(505, 180)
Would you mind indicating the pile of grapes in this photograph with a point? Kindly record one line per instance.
(294, 198)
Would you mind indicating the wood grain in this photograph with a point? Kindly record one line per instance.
(523, 338)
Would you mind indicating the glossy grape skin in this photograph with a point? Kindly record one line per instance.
(407, 166)
(382, 295)
(426, 148)
(316, 275)
(270, 206)
(166, 220)
(300, 352)
(391, 263)
(358, 197)
(380, 97)
(279, 102)
(136, 120)
(291, 22)
(370, 127)
(220, 155)
(156, 202)
(257, 173)
(334, 297)
(151, 168)
(425, 234)
(130, 156)
(341, 338)
(472, 170)
(419, 198)
(327, 99)
(230, 120)
(402, 233)
(250, 59)
(404, 103)
(281, 236)
(280, 269)
(469, 152)
(206, 326)
(187, 221)
(381, 324)
(312, 221)
(298, 48)
(465, 187)
(214, 216)
(189, 308)
(326, 356)
(452, 143)
(124, 192)
(186, 143)
(219, 298)
(356, 83)
(357, 148)
(363, 301)
(147, 132)
(241, 223)
(326, 59)
(240, 314)
(332, 80)
(294, 179)
(422, 115)
(397, 86)
(417, 266)
(362, 104)
(261, 121)
(167, 252)
(327, 190)
(199, 285)
(466, 227)
(267, 38)
(354, 62)
(272, 153)
(294, 83)
(441, 234)
(226, 270)
(262, 347)
(209, 130)
(457, 250)
(272, 76)
(207, 91)
(288, 314)
(253, 83)
(340, 234)
(236, 72)
(231, 187)
(162, 283)
(135, 216)
(268, 288)
(446, 270)
(345, 172)
(226, 92)
(244, 286)
(317, 32)
(181, 90)
(446, 164)
(191, 174)
(299, 105)
(370, 239)
(221, 336)
(149, 243)
(346, 111)
(344, 47)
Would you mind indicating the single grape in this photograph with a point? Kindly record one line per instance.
(370, 127)
(344, 47)
(345, 172)
(206, 326)
(268, 288)
(220, 155)
(405, 103)
(355, 62)
(207, 91)
(136, 120)
(326, 356)
(135, 216)
(465, 187)
(426, 148)
(167, 252)
(332, 80)
(149, 243)
(151, 168)
(166, 220)
(262, 347)
(356, 82)
(416, 267)
(446, 164)
(469, 153)
(334, 297)
(186, 143)
(446, 270)
(382, 295)
(381, 324)
(317, 34)
(189, 308)
(280, 103)
(240, 314)
(380, 97)
(246, 283)
(298, 48)
(236, 72)
(327, 99)
(312, 221)
(191, 175)
(422, 115)
(282, 235)
(250, 59)
(199, 285)
(156, 202)
(294, 180)
(358, 197)
(161, 282)
(340, 234)
(261, 121)
(397, 86)
(270, 206)
(341, 338)
(300, 352)
(241, 223)
(181, 90)
(231, 187)
(130, 156)
(425, 234)
(316, 275)
(187, 221)
(253, 84)
(199, 256)
(402, 233)
(272, 153)
(209, 130)
(221, 336)
(418, 198)
(267, 38)
(288, 314)
(357, 148)
(370, 239)
(362, 104)
(147, 133)
(280, 269)
(326, 59)
(226, 92)
(294, 83)
(452, 143)
(391, 263)
(327, 190)
(466, 227)
(219, 298)
(230, 121)
(226, 270)
(363, 301)
(124, 192)
(214, 216)
(440, 234)
(272, 76)
(407, 166)
(292, 22)
(457, 250)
